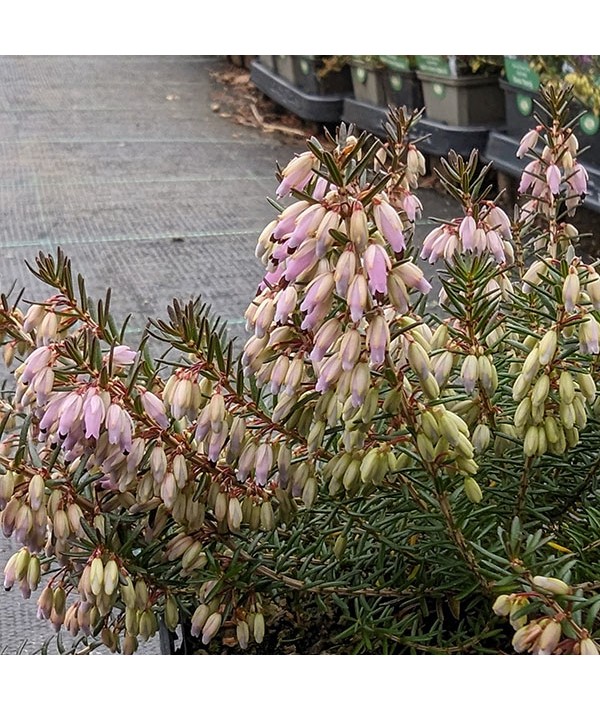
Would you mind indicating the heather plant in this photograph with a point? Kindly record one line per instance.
(382, 469)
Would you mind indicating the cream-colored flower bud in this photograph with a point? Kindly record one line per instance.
(168, 490)
(418, 360)
(551, 427)
(487, 374)
(258, 630)
(571, 290)
(481, 438)
(309, 492)
(588, 646)
(526, 636)
(566, 387)
(351, 478)
(127, 591)
(191, 556)
(22, 563)
(199, 618)
(448, 427)
(425, 447)
(588, 386)
(158, 463)
(531, 364)
(62, 530)
(178, 546)
(547, 347)
(540, 390)
(531, 441)
(242, 632)
(74, 516)
(59, 600)
(469, 372)
(7, 487)
(234, 514)
(550, 637)
(359, 228)
(34, 572)
(171, 613)
(221, 506)
(36, 491)
(439, 338)
(96, 575)
(111, 577)
(567, 415)
(551, 585)
(430, 387)
(148, 624)
(267, 519)
(502, 605)
(211, 627)
(141, 594)
(523, 413)
(472, 490)
(580, 413)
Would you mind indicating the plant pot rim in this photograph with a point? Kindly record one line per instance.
(474, 80)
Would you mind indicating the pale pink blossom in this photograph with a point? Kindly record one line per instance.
(329, 372)
(530, 173)
(553, 178)
(93, 414)
(344, 271)
(296, 174)
(377, 264)
(154, 407)
(528, 142)
(306, 225)
(498, 220)
(413, 277)
(412, 206)
(389, 224)
(301, 261)
(589, 334)
(578, 178)
(378, 338)
(121, 356)
(286, 302)
(466, 231)
(287, 219)
(357, 297)
(319, 289)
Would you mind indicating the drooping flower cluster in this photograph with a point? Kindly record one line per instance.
(489, 234)
(554, 171)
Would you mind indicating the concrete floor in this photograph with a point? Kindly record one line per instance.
(120, 161)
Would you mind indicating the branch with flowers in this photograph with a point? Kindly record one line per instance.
(372, 473)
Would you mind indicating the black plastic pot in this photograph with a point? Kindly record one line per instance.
(308, 77)
(285, 67)
(368, 85)
(403, 89)
(463, 100)
(401, 85)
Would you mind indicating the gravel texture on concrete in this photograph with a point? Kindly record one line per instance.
(122, 163)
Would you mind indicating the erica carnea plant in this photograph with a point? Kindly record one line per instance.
(384, 468)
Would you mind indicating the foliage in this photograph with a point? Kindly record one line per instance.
(373, 474)
(581, 72)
